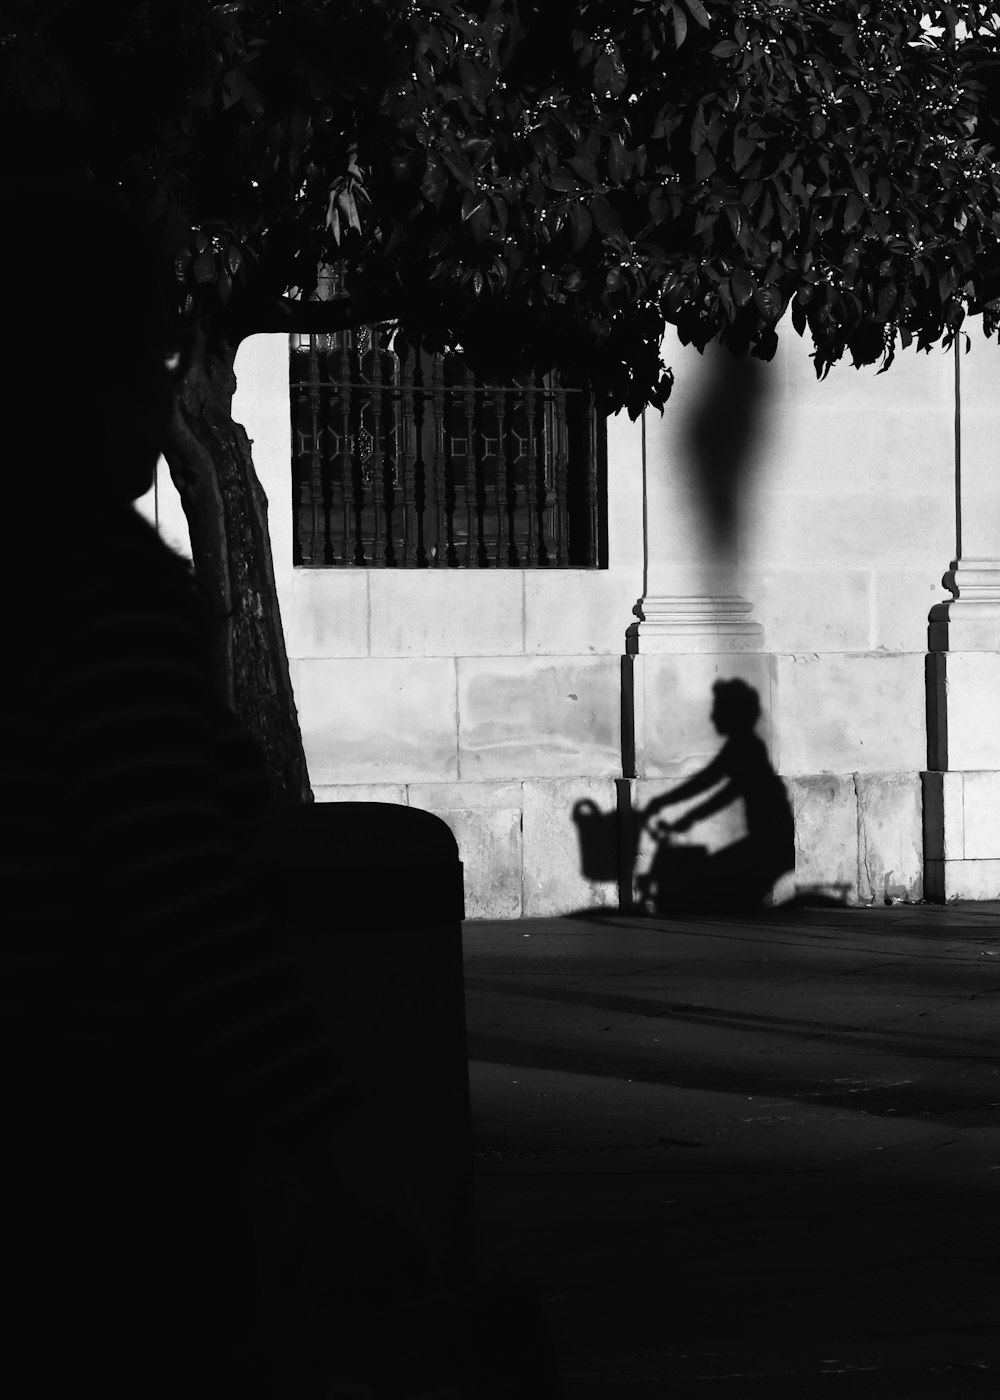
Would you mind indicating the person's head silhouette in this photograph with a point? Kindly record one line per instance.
(735, 708)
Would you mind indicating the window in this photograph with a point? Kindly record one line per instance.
(407, 460)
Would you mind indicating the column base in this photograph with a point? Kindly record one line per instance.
(686, 625)
(970, 621)
(961, 835)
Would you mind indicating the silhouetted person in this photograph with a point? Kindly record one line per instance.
(153, 1034)
(738, 876)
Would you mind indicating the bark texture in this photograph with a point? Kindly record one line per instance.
(211, 465)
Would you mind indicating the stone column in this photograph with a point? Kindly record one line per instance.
(962, 785)
(693, 626)
(694, 456)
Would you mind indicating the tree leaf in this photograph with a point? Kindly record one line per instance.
(744, 147)
(680, 25)
(581, 223)
(604, 216)
(854, 207)
(770, 303)
(743, 286)
(205, 268)
(698, 12)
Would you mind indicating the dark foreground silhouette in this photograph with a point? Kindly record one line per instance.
(209, 1180)
(741, 875)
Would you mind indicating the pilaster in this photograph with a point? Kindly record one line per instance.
(962, 784)
(692, 473)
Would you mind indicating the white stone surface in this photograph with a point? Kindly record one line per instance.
(858, 476)
(577, 612)
(826, 608)
(851, 713)
(377, 720)
(553, 879)
(489, 847)
(261, 404)
(526, 717)
(327, 614)
(889, 837)
(674, 731)
(902, 601)
(625, 471)
(963, 879)
(981, 815)
(362, 792)
(826, 834)
(446, 612)
(979, 372)
(454, 797)
(972, 689)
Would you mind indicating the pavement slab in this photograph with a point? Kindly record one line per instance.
(745, 1158)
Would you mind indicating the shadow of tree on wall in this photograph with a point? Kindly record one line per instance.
(683, 877)
(721, 430)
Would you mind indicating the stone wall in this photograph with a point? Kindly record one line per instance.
(511, 702)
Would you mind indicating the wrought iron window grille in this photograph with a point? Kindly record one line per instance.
(407, 460)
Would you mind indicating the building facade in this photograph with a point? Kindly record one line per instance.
(789, 533)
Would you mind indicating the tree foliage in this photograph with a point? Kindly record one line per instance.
(548, 182)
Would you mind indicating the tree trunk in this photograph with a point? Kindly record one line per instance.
(226, 508)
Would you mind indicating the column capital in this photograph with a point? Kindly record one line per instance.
(694, 624)
(970, 619)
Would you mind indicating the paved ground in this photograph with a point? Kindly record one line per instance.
(746, 1159)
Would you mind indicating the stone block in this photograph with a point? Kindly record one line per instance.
(578, 612)
(554, 882)
(526, 717)
(851, 713)
(816, 446)
(673, 707)
(764, 525)
(818, 609)
(962, 879)
(457, 797)
(327, 614)
(825, 809)
(972, 694)
(855, 529)
(944, 816)
(362, 792)
(903, 599)
(377, 720)
(890, 837)
(913, 449)
(489, 847)
(624, 495)
(446, 612)
(981, 816)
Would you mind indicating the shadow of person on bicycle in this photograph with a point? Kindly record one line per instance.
(739, 876)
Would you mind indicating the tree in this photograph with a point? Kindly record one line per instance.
(546, 182)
